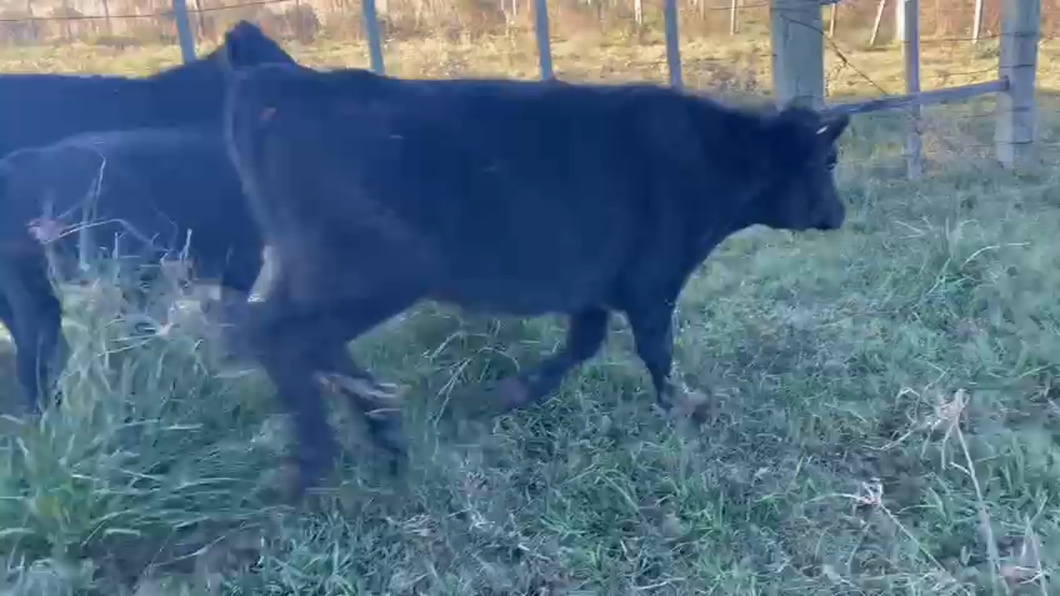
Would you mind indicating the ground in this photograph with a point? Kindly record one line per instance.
(885, 403)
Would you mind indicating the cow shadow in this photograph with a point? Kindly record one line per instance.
(455, 359)
(449, 365)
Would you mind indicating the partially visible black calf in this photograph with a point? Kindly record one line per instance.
(500, 196)
(37, 110)
(151, 185)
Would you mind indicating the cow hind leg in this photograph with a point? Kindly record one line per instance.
(248, 278)
(652, 325)
(291, 373)
(379, 405)
(585, 335)
(653, 334)
(33, 315)
(299, 345)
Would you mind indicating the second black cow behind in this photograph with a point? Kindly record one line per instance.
(500, 196)
(157, 187)
(48, 115)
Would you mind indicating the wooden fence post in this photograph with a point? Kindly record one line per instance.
(187, 42)
(34, 25)
(375, 42)
(202, 29)
(876, 23)
(798, 52)
(64, 23)
(914, 144)
(734, 17)
(106, 18)
(673, 44)
(900, 34)
(544, 48)
(1015, 132)
(977, 23)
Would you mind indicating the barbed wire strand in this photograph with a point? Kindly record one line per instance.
(152, 15)
(844, 61)
(922, 124)
(929, 40)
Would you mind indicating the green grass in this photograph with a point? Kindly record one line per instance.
(885, 416)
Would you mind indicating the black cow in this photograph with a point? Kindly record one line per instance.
(152, 186)
(40, 109)
(37, 110)
(499, 196)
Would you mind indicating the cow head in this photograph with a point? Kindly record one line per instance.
(800, 192)
(245, 44)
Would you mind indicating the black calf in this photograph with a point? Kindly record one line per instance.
(500, 196)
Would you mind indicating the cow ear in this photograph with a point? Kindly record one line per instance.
(239, 45)
(226, 57)
(249, 46)
(832, 127)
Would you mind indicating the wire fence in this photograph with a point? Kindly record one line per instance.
(24, 22)
(591, 40)
(961, 133)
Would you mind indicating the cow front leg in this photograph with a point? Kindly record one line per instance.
(32, 314)
(585, 335)
(652, 325)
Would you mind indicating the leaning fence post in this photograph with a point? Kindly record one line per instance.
(1020, 30)
(673, 44)
(544, 50)
(876, 23)
(977, 21)
(375, 44)
(914, 144)
(798, 52)
(106, 18)
(187, 43)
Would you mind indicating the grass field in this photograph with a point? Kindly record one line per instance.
(885, 418)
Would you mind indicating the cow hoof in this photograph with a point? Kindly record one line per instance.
(396, 450)
(398, 464)
(512, 393)
(376, 397)
(698, 407)
(686, 403)
(385, 426)
(695, 406)
(286, 483)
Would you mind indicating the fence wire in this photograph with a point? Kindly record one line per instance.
(692, 6)
(150, 15)
(853, 66)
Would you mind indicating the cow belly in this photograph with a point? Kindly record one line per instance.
(562, 288)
